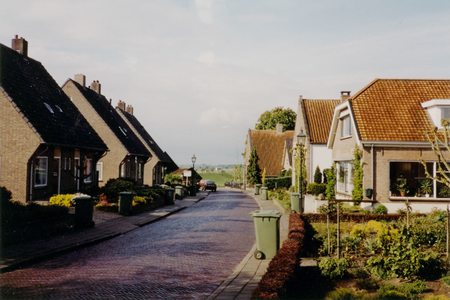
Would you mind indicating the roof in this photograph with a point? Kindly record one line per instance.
(42, 102)
(114, 121)
(269, 148)
(146, 136)
(171, 165)
(390, 110)
(319, 115)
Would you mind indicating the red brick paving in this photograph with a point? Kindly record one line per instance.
(185, 256)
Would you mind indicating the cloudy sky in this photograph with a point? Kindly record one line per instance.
(199, 73)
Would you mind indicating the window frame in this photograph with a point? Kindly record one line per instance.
(42, 171)
(346, 127)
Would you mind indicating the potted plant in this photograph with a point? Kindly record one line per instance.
(426, 186)
(402, 186)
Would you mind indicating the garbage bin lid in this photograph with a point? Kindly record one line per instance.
(126, 193)
(265, 214)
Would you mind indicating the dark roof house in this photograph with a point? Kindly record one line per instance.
(45, 140)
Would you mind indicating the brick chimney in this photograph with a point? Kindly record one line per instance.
(121, 105)
(20, 45)
(96, 86)
(279, 128)
(81, 79)
(130, 109)
(345, 95)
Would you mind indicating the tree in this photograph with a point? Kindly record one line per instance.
(269, 119)
(253, 170)
(443, 166)
(317, 175)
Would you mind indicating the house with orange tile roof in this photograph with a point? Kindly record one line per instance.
(314, 118)
(387, 121)
(269, 146)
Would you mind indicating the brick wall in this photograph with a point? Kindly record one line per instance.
(17, 144)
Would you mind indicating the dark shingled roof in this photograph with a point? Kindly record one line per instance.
(115, 122)
(36, 94)
(146, 136)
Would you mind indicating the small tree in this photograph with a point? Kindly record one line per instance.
(331, 182)
(298, 150)
(317, 175)
(253, 170)
(172, 178)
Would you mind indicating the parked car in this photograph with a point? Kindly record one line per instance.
(210, 185)
(202, 182)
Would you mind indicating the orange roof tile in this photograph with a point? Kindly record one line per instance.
(390, 110)
(319, 115)
(269, 147)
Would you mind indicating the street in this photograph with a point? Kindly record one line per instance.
(185, 256)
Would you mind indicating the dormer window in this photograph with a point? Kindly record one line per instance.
(346, 124)
(437, 109)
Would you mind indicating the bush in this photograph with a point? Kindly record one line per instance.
(317, 188)
(333, 267)
(276, 183)
(62, 200)
(114, 186)
(380, 210)
(408, 290)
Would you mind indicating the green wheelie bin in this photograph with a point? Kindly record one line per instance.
(170, 193)
(125, 203)
(264, 193)
(257, 188)
(84, 211)
(267, 231)
(296, 204)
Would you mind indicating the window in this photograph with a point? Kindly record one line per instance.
(345, 175)
(88, 170)
(445, 113)
(346, 127)
(412, 176)
(140, 171)
(122, 170)
(40, 171)
(100, 171)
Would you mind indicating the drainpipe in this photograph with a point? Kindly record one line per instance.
(373, 171)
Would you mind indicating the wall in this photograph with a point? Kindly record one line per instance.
(17, 144)
(320, 156)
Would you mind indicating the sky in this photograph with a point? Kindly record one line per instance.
(199, 73)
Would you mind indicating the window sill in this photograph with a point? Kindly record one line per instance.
(346, 137)
(399, 198)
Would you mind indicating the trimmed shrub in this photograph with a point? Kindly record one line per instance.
(380, 210)
(317, 188)
(333, 267)
(275, 183)
(317, 175)
(114, 186)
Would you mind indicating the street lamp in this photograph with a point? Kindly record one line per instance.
(193, 159)
(301, 140)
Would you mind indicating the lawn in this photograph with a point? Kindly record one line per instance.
(218, 178)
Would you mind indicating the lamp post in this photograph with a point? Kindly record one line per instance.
(193, 159)
(301, 139)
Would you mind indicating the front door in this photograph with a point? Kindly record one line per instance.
(56, 178)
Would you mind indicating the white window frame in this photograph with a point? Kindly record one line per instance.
(87, 170)
(99, 169)
(346, 129)
(37, 168)
(349, 172)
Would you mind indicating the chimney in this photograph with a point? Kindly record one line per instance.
(279, 128)
(130, 109)
(121, 105)
(345, 95)
(96, 86)
(20, 45)
(300, 100)
(81, 79)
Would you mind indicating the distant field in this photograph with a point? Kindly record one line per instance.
(218, 178)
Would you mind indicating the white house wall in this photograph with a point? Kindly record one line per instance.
(320, 156)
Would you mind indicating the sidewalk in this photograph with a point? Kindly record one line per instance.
(106, 227)
(248, 273)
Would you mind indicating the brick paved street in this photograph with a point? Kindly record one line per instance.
(185, 256)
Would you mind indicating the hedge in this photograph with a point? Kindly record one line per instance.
(359, 218)
(281, 276)
(317, 188)
(280, 182)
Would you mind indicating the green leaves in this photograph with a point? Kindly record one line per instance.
(269, 119)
